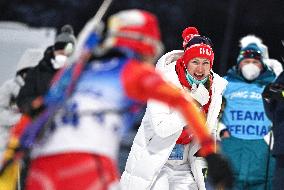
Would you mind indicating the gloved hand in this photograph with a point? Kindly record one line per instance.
(200, 94)
(273, 91)
(220, 173)
(275, 65)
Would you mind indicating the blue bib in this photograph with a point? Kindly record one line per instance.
(244, 113)
(177, 152)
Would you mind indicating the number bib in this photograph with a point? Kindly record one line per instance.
(177, 152)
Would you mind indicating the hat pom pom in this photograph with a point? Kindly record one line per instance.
(67, 29)
(249, 39)
(189, 31)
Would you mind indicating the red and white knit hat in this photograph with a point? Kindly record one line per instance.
(196, 46)
(136, 29)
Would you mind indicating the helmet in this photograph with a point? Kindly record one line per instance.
(137, 30)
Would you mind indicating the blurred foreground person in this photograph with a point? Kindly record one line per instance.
(9, 112)
(273, 99)
(78, 149)
(164, 154)
(38, 79)
(245, 118)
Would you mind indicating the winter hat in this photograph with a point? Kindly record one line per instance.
(65, 39)
(135, 29)
(30, 58)
(250, 51)
(196, 46)
(252, 47)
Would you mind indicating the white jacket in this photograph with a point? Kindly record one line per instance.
(9, 113)
(159, 130)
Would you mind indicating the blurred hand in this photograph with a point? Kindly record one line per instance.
(220, 173)
(273, 92)
(224, 134)
(35, 108)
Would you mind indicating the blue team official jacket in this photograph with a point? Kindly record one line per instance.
(245, 118)
(244, 114)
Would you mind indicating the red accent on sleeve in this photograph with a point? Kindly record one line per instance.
(185, 137)
(18, 128)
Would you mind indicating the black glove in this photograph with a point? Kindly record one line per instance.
(273, 92)
(219, 171)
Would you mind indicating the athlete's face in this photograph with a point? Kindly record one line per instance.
(199, 68)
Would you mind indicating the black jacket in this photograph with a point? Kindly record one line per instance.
(37, 82)
(273, 100)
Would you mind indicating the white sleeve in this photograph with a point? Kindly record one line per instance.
(275, 65)
(8, 115)
(164, 120)
(220, 127)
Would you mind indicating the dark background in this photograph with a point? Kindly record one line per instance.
(224, 21)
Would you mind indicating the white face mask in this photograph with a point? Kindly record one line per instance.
(250, 71)
(59, 61)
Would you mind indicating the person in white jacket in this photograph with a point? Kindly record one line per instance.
(163, 155)
(9, 112)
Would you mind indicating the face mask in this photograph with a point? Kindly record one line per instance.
(250, 71)
(59, 61)
(192, 80)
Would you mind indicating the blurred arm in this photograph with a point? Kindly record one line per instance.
(8, 115)
(27, 93)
